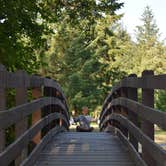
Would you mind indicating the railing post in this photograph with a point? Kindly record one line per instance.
(46, 110)
(124, 111)
(57, 94)
(146, 126)
(21, 127)
(132, 94)
(36, 116)
(2, 107)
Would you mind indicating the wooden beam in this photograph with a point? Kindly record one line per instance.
(22, 125)
(132, 94)
(147, 126)
(144, 112)
(12, 151)
(124, 111)
(155, 150)
(2, 108)
(36, 116)
(21, 111)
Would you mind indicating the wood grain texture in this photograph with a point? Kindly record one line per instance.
(2, 108)
(147, 82)
(19, 112)
(21, 125)
(147, 126)
(30, 160)
(36, 116)
(132, 150)
(13, 80)
(85, 149)
(13, 150)
(145, 112)
(156, 151)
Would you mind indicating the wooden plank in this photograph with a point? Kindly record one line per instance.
(2, 108)
(71, 148)
(13, 80)
(35, 153)
(12, 151)
(132, 150)
(158, 154)
(53, 84)
(36, 116)
(21, 125)
(148, 126)
(132, 94)
(145, 112)
(148, 82)
(36, 81)
(123, 110)
(24, 110)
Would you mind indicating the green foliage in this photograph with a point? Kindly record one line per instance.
(79, 43)
(161, 98)
(150, 51)
(20, 34)
(147, 53)
(148, 32)
(78, 54)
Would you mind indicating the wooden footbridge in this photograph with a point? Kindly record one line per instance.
(40, 123)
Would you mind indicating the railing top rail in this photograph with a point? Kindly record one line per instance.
(145, 112)
(14, 149)
(154, 149)
(147, 82)
(34, 117)
(19, 112)
(15, 80)
(22, 79)
(136, 120)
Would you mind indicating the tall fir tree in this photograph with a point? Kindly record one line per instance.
(76, 57)
(148, 52)
(148, 32)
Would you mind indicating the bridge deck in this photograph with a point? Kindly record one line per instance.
(84, 149)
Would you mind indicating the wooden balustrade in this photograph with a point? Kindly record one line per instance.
(134, 121)
(46, 107)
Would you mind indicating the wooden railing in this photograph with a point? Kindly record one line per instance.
(134, 121)
(46, 108)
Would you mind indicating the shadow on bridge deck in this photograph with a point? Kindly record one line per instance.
(85, 149)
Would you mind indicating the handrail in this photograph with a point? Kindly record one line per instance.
(21, 111)
(48, 111)
(11, 152)
(148, 82)
(136, 120)
(16, 80)
(154, 116)
(32, 157)
(154, 149)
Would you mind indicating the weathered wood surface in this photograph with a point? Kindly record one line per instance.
(158, 153)
(145, 112)
(148, 82)
(24, 110)
(85, 149)
(12, 151)
(136, 120)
